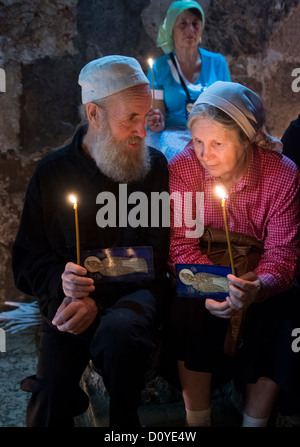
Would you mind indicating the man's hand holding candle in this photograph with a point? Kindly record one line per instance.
(75, 284)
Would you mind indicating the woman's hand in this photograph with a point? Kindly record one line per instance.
(156, 120)
(243, 291)
(219, 309)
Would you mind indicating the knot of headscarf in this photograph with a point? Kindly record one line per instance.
(245, 107)
(165, 32)
(268, 142)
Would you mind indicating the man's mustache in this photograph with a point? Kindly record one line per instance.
(133, 140)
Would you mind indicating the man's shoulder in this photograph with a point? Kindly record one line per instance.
(158, 159)
(59, 157)
(55, 156)
(55, 166)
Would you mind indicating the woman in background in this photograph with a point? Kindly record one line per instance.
(185, 70)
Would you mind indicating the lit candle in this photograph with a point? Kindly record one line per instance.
(221, 192)
(150, 62)
(74, 201)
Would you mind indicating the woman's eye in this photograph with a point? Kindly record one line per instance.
(197, 142)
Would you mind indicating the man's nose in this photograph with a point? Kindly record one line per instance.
(140, 130)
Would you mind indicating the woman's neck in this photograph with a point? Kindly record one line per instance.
(187, 55)
(190, 62)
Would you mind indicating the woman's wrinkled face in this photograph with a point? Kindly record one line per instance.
(187, 30)
(218, 149)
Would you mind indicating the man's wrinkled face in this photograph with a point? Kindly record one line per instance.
(127, 113)
(119, 149)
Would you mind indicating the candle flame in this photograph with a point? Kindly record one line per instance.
(221, 192)
(73, 199)
(150, 62)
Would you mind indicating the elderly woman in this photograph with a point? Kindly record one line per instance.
(229, 148)
(185, 69)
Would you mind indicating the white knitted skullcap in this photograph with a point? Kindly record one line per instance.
(108, 75)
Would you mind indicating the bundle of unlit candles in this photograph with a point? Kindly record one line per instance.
(22, 317)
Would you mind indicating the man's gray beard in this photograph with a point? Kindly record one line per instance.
(117, 161)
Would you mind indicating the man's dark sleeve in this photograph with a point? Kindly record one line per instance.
(291, 141)
(159, 237)
(37, 267)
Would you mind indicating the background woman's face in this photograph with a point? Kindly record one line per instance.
(218, 149)
(187, 30)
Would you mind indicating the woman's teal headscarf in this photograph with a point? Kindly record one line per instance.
(165, 33)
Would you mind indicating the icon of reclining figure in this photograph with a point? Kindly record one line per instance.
(115, 265)
(204, 282)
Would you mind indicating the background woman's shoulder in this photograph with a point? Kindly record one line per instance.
(211, 55)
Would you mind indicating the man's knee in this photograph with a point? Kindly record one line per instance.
(122, 331)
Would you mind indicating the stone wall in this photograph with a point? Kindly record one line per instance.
(44, 44)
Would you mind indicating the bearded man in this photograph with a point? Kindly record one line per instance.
(114, 322)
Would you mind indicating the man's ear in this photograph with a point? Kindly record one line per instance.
(94, 114)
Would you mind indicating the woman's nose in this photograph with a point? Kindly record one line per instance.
(206, 152)
(190, 27)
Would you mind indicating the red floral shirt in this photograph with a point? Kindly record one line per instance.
(264, 204)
